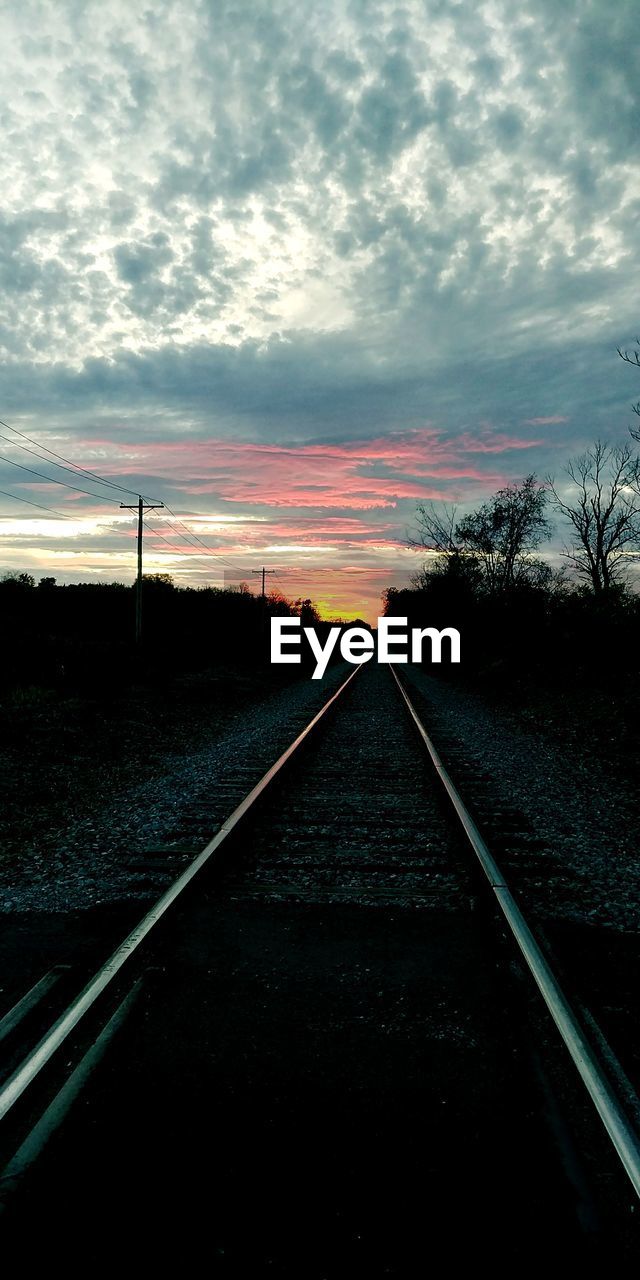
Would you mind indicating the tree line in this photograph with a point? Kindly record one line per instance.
(520, 616)
(484, 575)
(493, 548)
(81, 635)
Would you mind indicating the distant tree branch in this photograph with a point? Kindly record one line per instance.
(603, 508)
(492, 544)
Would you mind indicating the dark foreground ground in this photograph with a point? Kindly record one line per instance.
(65, 751)
(314, 1094)
(318, 1082)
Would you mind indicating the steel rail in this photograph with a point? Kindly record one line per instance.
(58, 1109)
(621, 1132)
(30, 1000)
(30, 1067)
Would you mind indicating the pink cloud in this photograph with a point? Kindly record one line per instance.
(354, 474)
(332, 503)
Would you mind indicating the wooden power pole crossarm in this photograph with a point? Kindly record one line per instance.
(140, 507)
(264, 573)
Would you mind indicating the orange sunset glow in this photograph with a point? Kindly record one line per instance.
(332, 521)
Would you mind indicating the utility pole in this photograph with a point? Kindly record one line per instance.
(140, 507)
(264, 573)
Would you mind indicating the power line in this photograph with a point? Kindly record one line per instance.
(102, 497)
(210, 552)
(179, 551)
(34, 504)
(141, 506)
(74, 468)
(74, 465)
(264, 573)
(52, 480)
(194, 541)
(71, 470)
(66, 464)
(40, 507)
(151, 529)
(51, 510)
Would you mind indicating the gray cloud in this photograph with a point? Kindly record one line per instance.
(272, 221)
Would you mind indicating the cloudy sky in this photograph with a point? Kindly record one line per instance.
(293, 267)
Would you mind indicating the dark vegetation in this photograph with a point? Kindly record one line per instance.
(561, 661)
(559, 648)
(560, 652)
(83, 710)
(81, 636)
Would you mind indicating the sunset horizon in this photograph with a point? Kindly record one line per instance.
(294, 273)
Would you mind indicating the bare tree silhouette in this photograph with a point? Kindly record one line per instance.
(493, 543)
(632, 357)
(602, 506)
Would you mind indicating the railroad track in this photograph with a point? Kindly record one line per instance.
(322, 1000)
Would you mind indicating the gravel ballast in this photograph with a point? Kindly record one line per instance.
(587, 865)
(131, 846)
